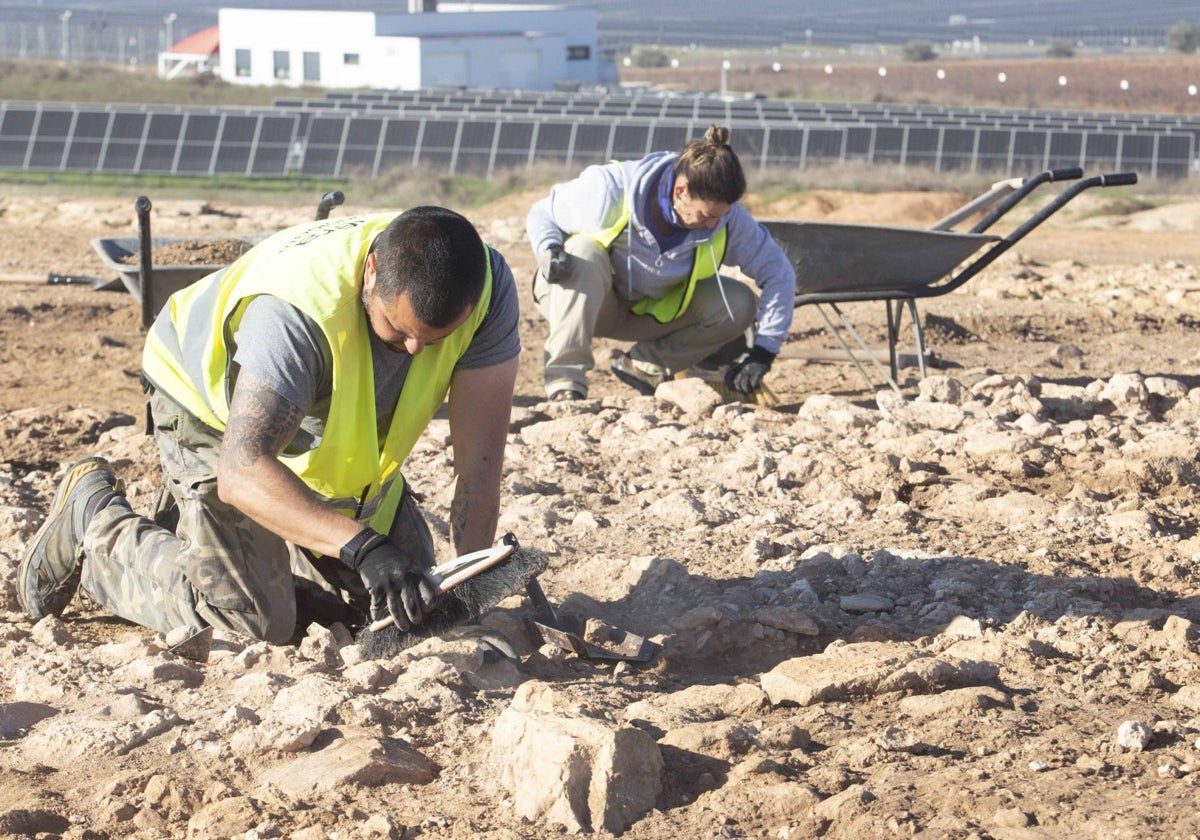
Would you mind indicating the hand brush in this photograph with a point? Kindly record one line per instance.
(761, 395)
(467, 586)
(713, 369)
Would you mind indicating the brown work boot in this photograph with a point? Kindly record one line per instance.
(566, 395)
(49, 571)
(642, 376)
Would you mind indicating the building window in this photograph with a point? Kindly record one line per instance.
(241, 63)
(283, 66)
(312, 67)
(350, 58)
(582, 53)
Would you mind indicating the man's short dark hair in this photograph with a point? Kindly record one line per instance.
(436, 257)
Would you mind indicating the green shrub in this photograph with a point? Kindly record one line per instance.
(1184, 37)
(646, 57)
(1060, 49)
(918, 51)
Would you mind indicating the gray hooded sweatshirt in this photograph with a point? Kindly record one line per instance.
(595, 200)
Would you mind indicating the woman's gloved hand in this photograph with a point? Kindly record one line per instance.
(747, 373)
(555, 264)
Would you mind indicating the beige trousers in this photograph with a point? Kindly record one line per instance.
(585, 307)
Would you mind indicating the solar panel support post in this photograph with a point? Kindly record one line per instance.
(142, 141)
(379, 145)
(533, 144)
(183, 128)
(571, 143)
(248, 170)
(416, 159)
(491, 165)
(37, 119)
(458, 133)
(212, 160)
(67, 141)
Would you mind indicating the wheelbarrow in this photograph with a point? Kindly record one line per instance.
(151, 285)
(845, 263)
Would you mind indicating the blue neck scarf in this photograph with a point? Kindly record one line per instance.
(673, 233)
(666, 187)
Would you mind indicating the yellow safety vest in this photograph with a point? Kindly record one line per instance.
(318, 268)
(675, 302)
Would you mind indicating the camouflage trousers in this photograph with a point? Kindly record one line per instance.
(202, 562)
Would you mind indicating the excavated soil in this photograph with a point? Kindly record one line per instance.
(968, 609)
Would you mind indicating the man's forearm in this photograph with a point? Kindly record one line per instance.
(275, 498)
(474, 512)
(479, 406)
(251, 478)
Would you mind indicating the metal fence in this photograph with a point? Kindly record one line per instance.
(341, 136)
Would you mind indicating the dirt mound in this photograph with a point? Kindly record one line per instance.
(1178, 217)
(886, 208)
(967, 610)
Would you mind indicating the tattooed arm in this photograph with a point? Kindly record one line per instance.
(479, 408)
(251, 477)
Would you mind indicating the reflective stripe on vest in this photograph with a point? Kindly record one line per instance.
(675, 302)
(318, 268)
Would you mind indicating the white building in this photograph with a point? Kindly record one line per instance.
(467, 45)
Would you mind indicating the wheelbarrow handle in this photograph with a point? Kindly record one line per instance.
(1018, 195)
(141, 206)
(328, 202)
(1069, 174)
(1118, 179)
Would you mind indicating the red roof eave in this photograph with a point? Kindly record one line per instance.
(204, 42)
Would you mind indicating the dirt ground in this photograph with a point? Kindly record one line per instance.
(1115, 83)
(966, 610)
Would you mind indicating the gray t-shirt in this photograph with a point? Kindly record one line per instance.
(284, 348)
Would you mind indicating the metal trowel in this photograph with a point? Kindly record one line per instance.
(594, 640)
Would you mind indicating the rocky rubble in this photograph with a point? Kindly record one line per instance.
(839, 590)
(968, 610)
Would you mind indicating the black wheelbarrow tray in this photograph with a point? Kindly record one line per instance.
(151, 285)
(845, 263)
(165, 279)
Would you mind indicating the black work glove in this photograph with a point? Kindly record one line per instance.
(392, 579)
(747, 373)
(556, 264)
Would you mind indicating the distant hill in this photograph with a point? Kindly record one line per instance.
(138, 29)
(844, 22)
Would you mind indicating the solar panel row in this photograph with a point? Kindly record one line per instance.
(173, 142)
(651, 104)
(279, 143)
(731, 114)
